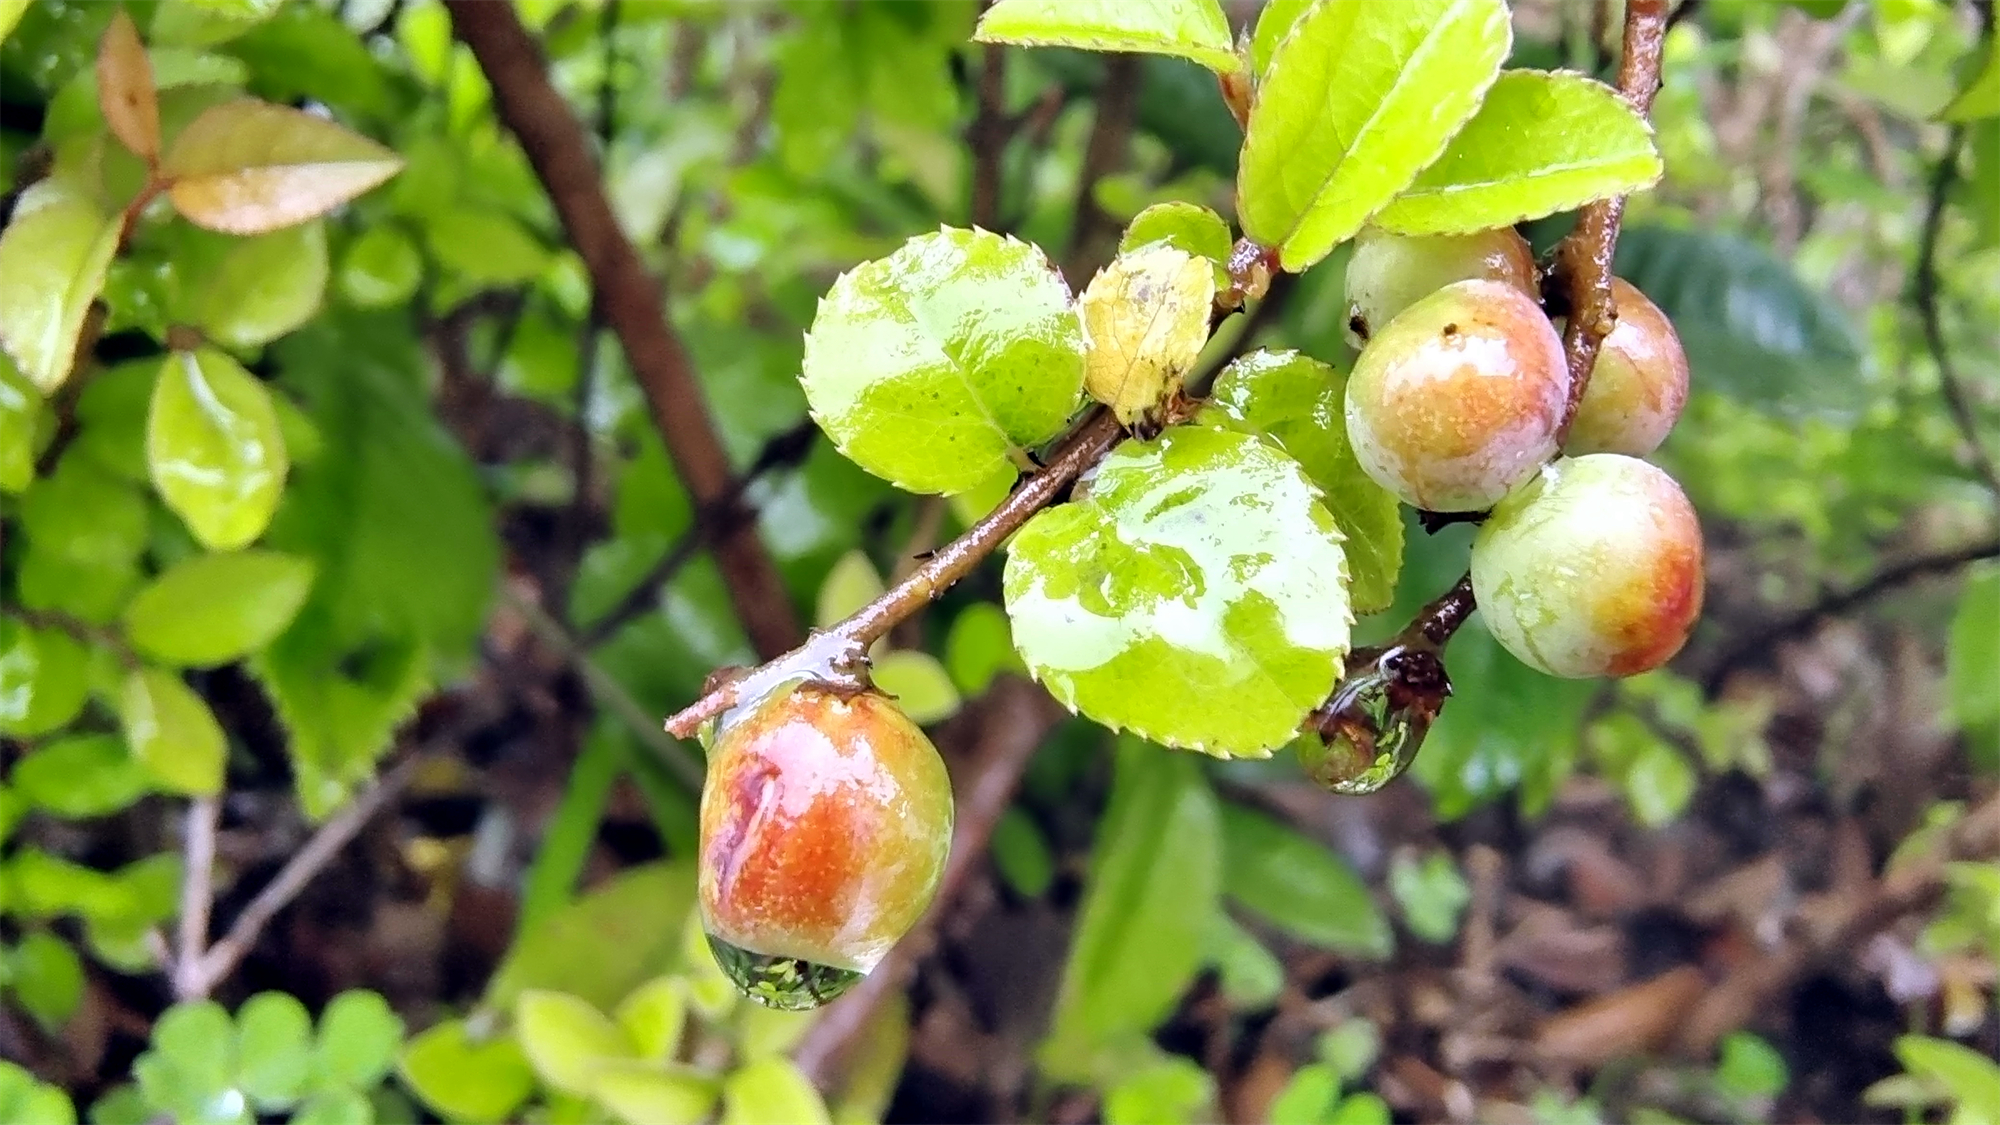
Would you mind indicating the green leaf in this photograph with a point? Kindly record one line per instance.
(25, 422)
(211, 609)
(1175, 1091)
(85, 529)
(850, 584)
(214, 448)
(172, 732)
(1972, 656)
(653, 1016)
(771, 1092)
(84, 775)
(486, 248)
(1971, 1079)
(10, 15)
(1191, 29)
(1299, 403)
(464, 1079)
(1307, 1097)
(979, 647)
(335, 1107)
(44, 676)
(381, 268)
(340, 707)
(1431, 893)
(1274, 22)
(1251, 976)
(1146, 316)
(1752, 329)
(934, 367)
(23, 1100)
(1981, 96)
(1154, 881)
(45, 978)
(1299, 886)
(274, 1048)
(1021, 853)
(565, 1038)
(657, 1095)
(1359, 98)
(54, 257)
(1541, 142)
(1750, 1067)
(1199, 566)
(918, 683)
(605, 944)
(250, 167)
(265, 287)
(192, 1063)
(359, 1036)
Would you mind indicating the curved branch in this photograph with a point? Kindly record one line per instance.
(1926, 284)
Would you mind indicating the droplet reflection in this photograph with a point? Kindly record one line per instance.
(1372, 728)
(786, 983)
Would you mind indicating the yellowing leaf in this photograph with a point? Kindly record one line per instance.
(211, 609)
(125, 88)
(1360, 96)
(248, 167)
(1190, 29)
(1146, 315)
(214, 448)
(54, 257)
(172, 732)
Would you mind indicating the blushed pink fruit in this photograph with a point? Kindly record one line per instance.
(1593, 568)
(1388, 273)
(1458, 399)
(1639, 385)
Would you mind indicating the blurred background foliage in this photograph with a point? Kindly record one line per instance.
(1758, 885)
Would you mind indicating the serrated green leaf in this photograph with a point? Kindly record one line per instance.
(24, 422)
(54, 256)
(380, 268)
(918, 683)
(1191, 29)
(464, 1079)
(652, 1018)
(771, 1092)
(1360, 96)
(1541, 142)
(1154, 881)
(934, 367)
(606, 943)
(1198, 567)
(250, 167)
(1146, 316)
(81, 776)
(565, 1038)
(359, 1035)
(44, 676)
(1299, 886)
(1299, 403)
(1981, 96)
(1274, 21)
(172, 732)
(274, 1049)
(265, 287)
(641, 1094)
(211, 609)
(45, 978)
(214, 448)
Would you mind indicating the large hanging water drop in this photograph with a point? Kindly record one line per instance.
(787, 983)
(1372, 728)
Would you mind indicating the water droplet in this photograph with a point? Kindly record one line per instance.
(1372, 728)
(787, 983)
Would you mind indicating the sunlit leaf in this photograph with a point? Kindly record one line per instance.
(1360, 96)
(249, 167)
(54, 256)
(1197, 567)
(83, 775)
(359, 1036)
(172, 732)
(653, 1016)
(606, 943)
(274, 1049)
(1191, 29)
(214, 448)
(1146, 316)
(1540, 143)
(1274, 20)
(211, 609)
(918, 683)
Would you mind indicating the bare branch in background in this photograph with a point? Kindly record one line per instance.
(1110, 137)
(1926, 283)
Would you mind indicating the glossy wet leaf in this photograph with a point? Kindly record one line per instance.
(642, 1094)
(381, 268)
(1199, 568)
(1300, 403)
(1541, 143)
(274, 1049)
(463, 1078)
(84, 775)
(214, 448)
(250, 167)
(1146, 317)
(1186, 226)
(172, 732)
(934, 367)
(54, 256)
(1191, 29)
(213, 608)
(265, 287)
(1274, 21)
(1298, 885)
(1155, 876)
(24, 420)
(125, 88)
(359, 1035)
(564, 1038)
(771, 1092)
(1360, 96)
(44, 676)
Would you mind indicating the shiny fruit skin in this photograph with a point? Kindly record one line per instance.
(825, 825)
(1457, 400)
(1640, 383)
(1388, 273)
(1593, 568)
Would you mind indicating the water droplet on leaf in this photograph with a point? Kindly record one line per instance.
(787, 983)
(1372, 728)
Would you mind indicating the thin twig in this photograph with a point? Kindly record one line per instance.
(204, 817)
(630, 298)
(987, 136)
(1926, 284)
(1800, 623)
(221, 960)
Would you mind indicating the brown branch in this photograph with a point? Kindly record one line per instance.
(1010, 723)
(987, 136)
(1926, 283)
(1832, 604)
(628, 296)
(1110, 135)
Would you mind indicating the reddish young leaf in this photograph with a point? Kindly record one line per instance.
(250, 167)
(125, 89)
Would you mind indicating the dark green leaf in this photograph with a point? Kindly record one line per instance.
(1300, 886)
(46, 979)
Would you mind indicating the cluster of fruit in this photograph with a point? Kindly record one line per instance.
(1590, 561)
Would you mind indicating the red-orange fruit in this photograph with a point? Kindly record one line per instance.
(1639, 385)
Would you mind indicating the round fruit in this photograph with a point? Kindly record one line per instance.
(1458, 399)
(1639, 385)
(1593, 568)
(1388, 273)
(825, 825)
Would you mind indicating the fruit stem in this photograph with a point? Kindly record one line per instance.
(1436, 622)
